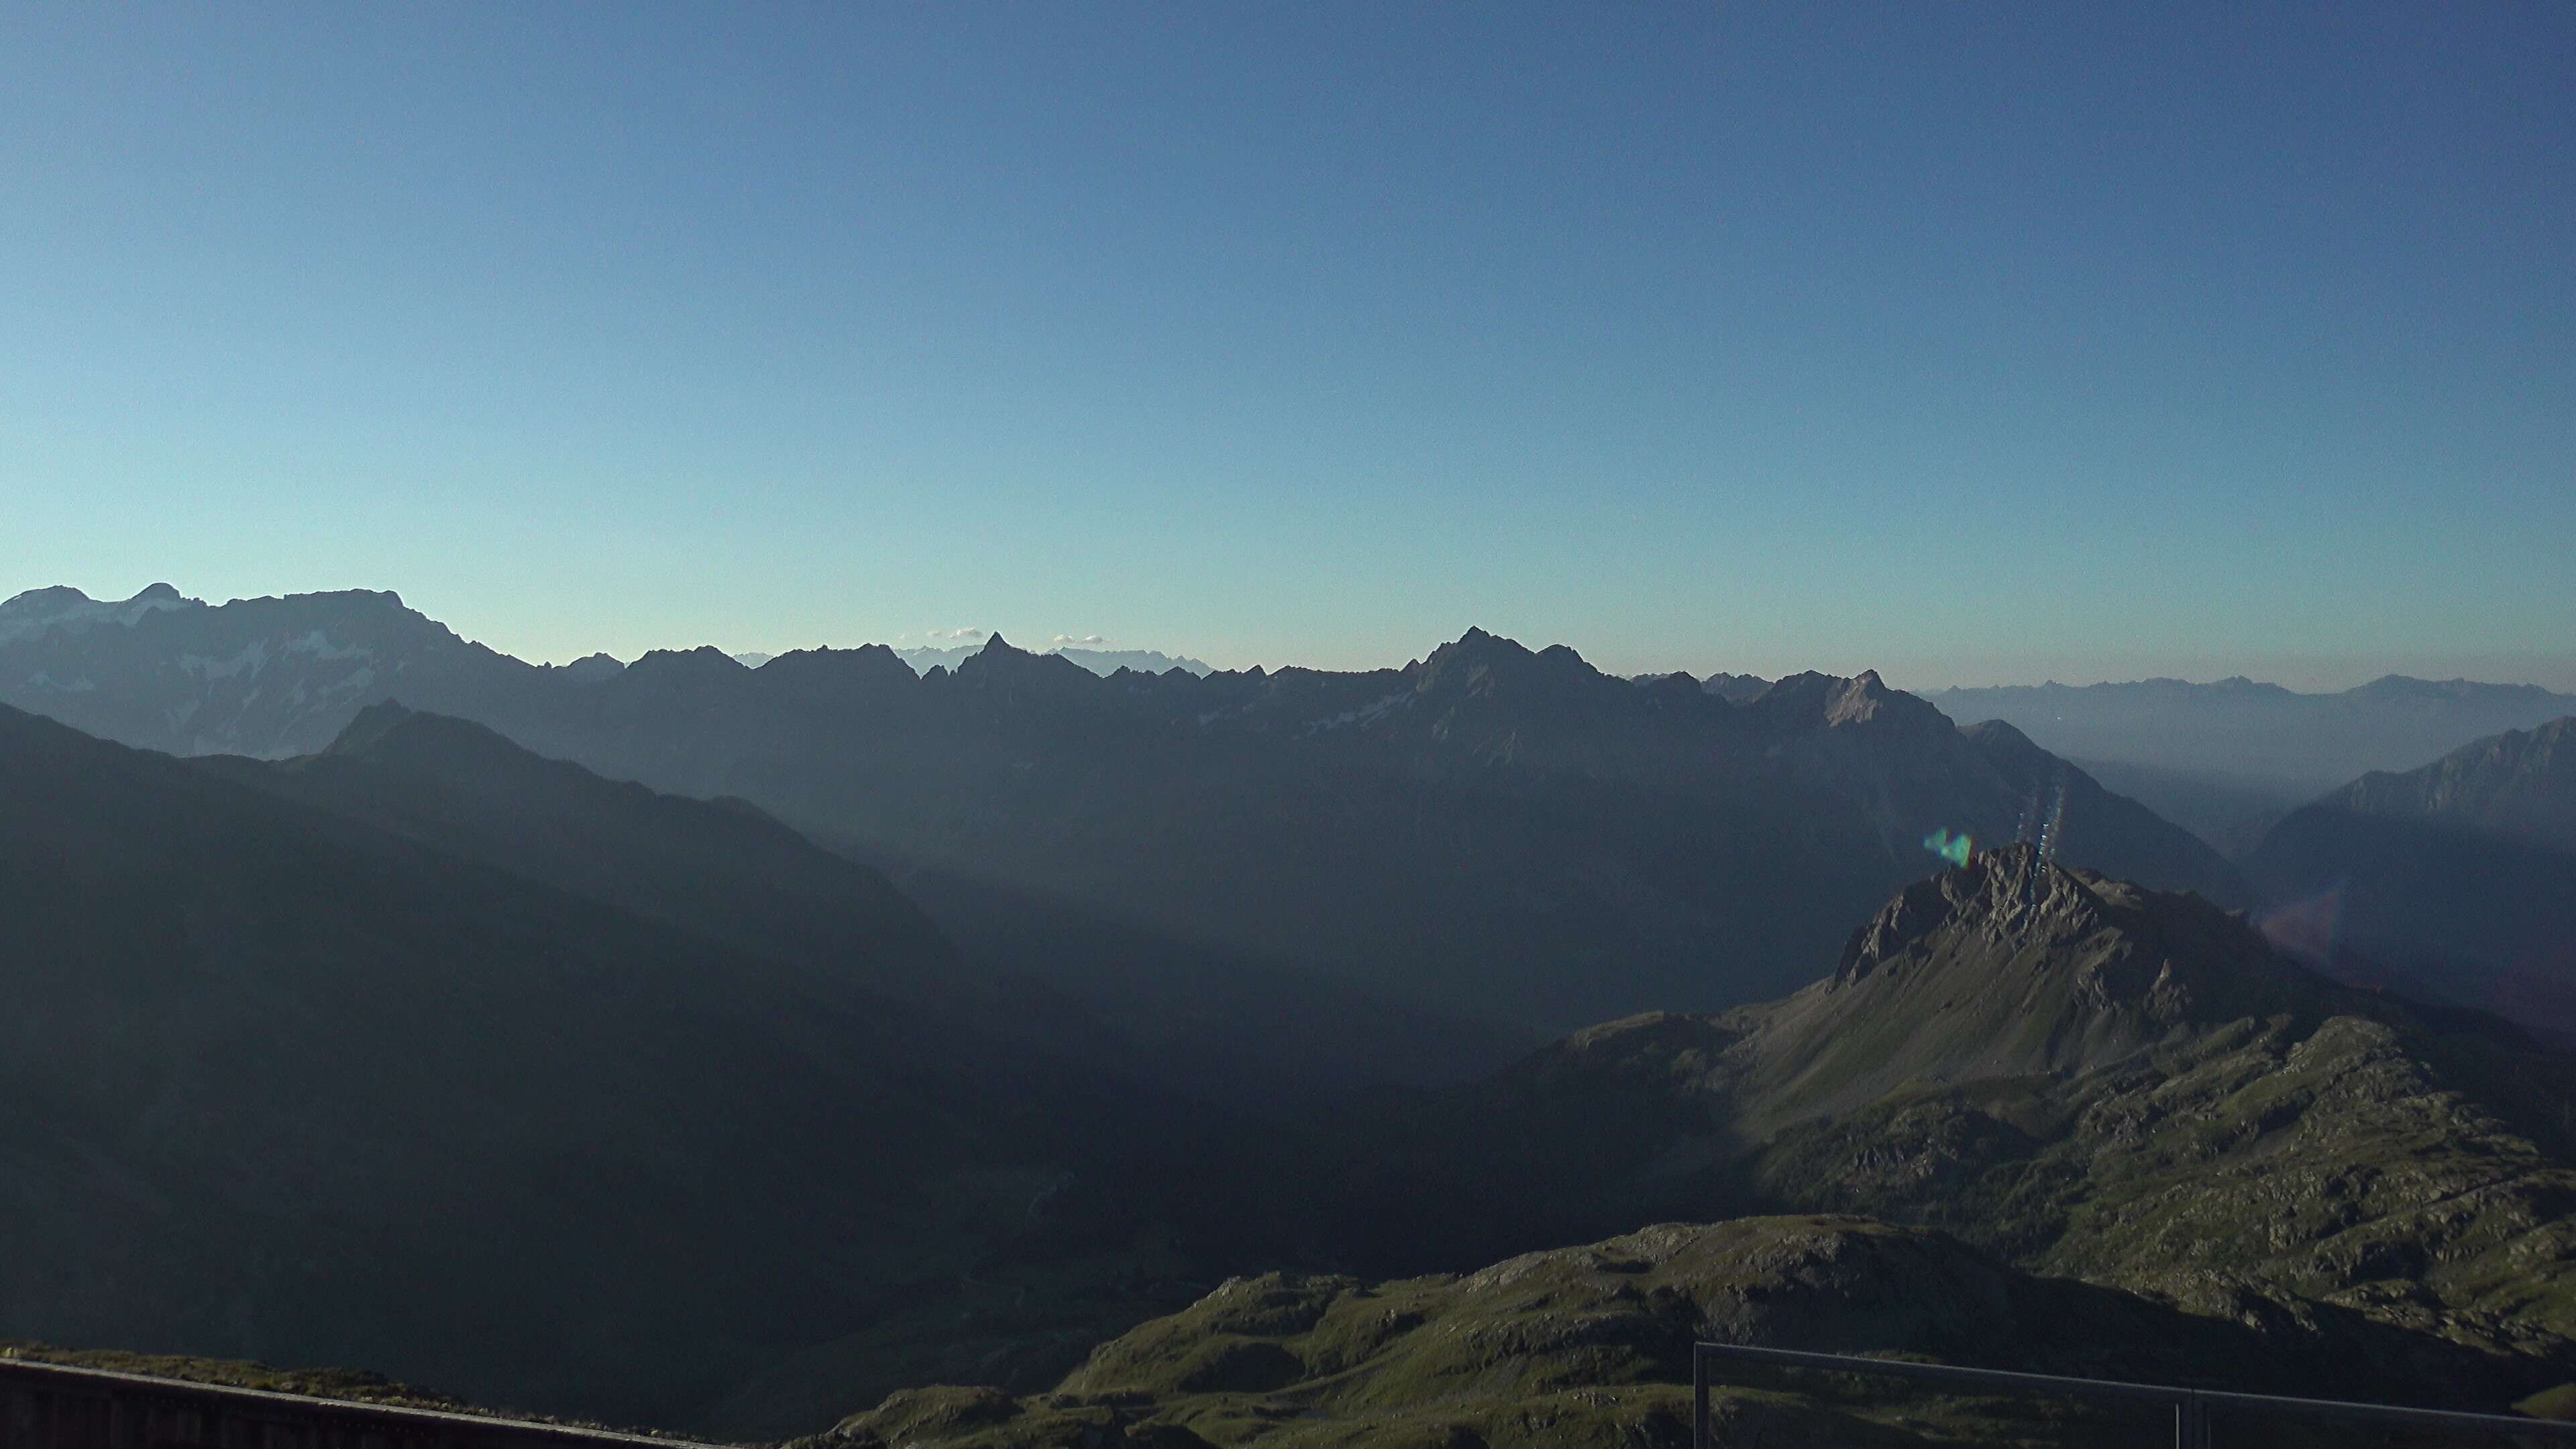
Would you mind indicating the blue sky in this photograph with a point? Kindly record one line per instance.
(1972, 343)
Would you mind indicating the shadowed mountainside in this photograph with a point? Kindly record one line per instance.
(285, 1083)
(426, 1020)
(722, 870)
(1069, 982)
(1489, 831)
(2458, 879)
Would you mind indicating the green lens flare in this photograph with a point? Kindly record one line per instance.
(1953, 848)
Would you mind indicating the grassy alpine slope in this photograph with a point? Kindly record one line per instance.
(2089, 1079)
(1591, 1346)
(2201, 1162)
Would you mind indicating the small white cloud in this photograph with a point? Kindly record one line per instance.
(1061, 640)
(956, 633)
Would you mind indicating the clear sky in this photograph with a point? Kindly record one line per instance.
(1970, 342)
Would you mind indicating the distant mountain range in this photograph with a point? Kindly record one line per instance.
(1103, 662)
(1491, 830)
(2228, 759)
(1734, 688)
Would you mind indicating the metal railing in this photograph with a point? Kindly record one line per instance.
(70, 1406)
(2191, 1408)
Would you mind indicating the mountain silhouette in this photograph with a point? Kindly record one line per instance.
(1492, 831)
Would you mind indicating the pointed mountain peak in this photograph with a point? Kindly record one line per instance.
(1001, 662)
(2019, 938)
(1477, 646)
(1861, 698)
(1827, 701)
(828, 673)
(1479, 662)
(1735, 688)
(2008, 888)
(705, 662)
(2014, 966)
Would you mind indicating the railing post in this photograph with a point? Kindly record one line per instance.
(1699, 1400)
(2191, 1421)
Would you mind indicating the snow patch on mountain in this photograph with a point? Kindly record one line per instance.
(39, 610)
(249, 662)
(1364, 716)
(319, 646)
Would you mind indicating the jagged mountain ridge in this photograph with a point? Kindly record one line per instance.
(1103, 662)
(1491, 829)
(272, 678)
(2084, 1077)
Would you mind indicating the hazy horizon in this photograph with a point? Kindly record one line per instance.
(2303, 674)
(1970, 344)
